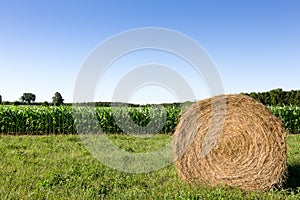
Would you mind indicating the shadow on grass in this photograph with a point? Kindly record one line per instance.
(293, 179)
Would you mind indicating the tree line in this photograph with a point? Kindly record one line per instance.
(277, 97)
(29, 98)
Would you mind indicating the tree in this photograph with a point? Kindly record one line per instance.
(45, 103)
(27, 97)
(16, 103)
(276, 97)
(57, 99)
(0, 99)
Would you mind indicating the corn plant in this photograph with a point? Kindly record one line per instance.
(289, 115)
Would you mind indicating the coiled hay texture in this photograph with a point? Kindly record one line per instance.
(230, 140)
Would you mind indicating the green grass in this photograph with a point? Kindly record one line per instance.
(59, 167)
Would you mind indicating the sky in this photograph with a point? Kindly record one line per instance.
(255, 45)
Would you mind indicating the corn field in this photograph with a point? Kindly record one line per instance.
(40, 120)
(36, 120)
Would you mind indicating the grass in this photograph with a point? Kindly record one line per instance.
(60, 167)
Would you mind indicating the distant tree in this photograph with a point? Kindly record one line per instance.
(27, 97)
(45, 103)
(57, 99)
(292, 97)
(253, 95)
(16, 103)
(296, 100)
(276, 97)
(0, 99)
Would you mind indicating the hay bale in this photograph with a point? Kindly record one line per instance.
(230, 140)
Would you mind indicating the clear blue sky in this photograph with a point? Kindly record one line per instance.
(254, 44)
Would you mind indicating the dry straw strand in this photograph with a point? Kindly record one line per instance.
(230, 140)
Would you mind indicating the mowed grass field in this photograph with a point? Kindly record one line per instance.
(60, 167)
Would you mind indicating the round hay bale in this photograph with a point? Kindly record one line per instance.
(230, 140)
